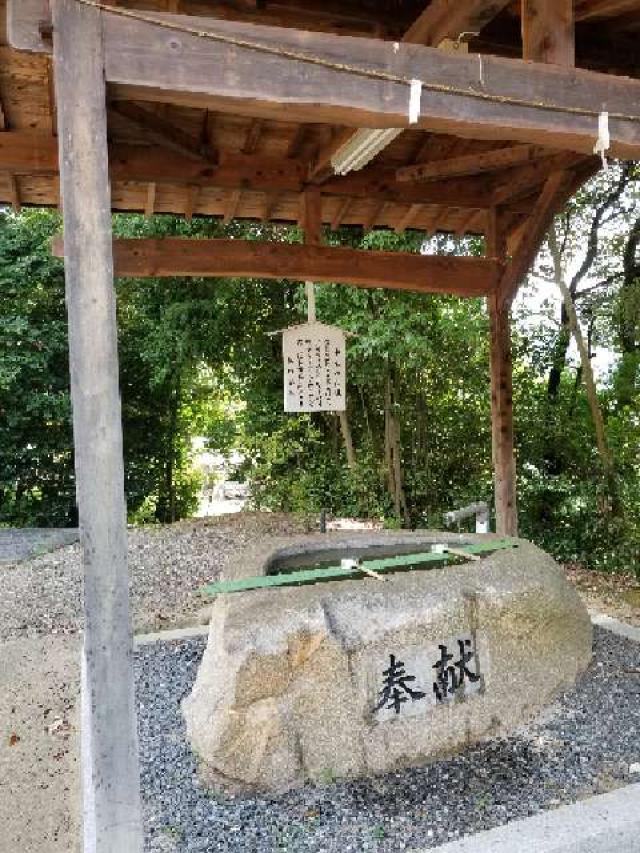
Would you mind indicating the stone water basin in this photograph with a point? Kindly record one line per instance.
(355, 677)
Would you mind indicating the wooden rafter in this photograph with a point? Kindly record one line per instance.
(253, 136)
(14, 192)
(35, 153)
(587, 10)
(159, 130)
(408, 218)
(431, 223)
(465, 223)
(449, 19)
(462, 276)
(233, 203)
(270, 201)
(516, 183)
(548, 31)
(295, 143)
(341, 211)
(51, 96)
(375, 213)
(472, 164)
(191, 200)
(150, 204)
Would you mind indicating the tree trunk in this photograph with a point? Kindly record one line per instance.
(345, 428)
(393, 455)
(585, 361)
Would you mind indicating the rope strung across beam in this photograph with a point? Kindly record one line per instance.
(371, 73)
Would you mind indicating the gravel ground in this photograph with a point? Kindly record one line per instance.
(167, 564)
(583, 746)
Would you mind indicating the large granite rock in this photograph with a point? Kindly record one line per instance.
(352, 678)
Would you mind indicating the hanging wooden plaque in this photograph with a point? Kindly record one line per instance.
(314, 368)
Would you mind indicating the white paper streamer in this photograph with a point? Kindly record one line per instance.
(604, 138)
(415, 99)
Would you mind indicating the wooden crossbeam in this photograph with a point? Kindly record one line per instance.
(485, 98)
(461, 276)
(26, 153)
(471, 164)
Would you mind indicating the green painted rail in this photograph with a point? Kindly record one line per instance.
(332, 573)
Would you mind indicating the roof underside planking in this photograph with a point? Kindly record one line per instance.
(239, 158)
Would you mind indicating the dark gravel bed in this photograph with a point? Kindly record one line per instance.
(583, 746)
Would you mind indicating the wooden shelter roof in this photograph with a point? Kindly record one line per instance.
(234, 161)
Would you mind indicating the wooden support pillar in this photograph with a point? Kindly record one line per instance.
(504, 464)
(112, 814)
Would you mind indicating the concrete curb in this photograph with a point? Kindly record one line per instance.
(622, 629)
(608, 823)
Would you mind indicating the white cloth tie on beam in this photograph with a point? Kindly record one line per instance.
(604, 138)
(415, 99)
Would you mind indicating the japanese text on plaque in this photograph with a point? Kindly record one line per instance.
(314, 368)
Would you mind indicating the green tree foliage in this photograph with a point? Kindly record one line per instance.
(36, 463)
